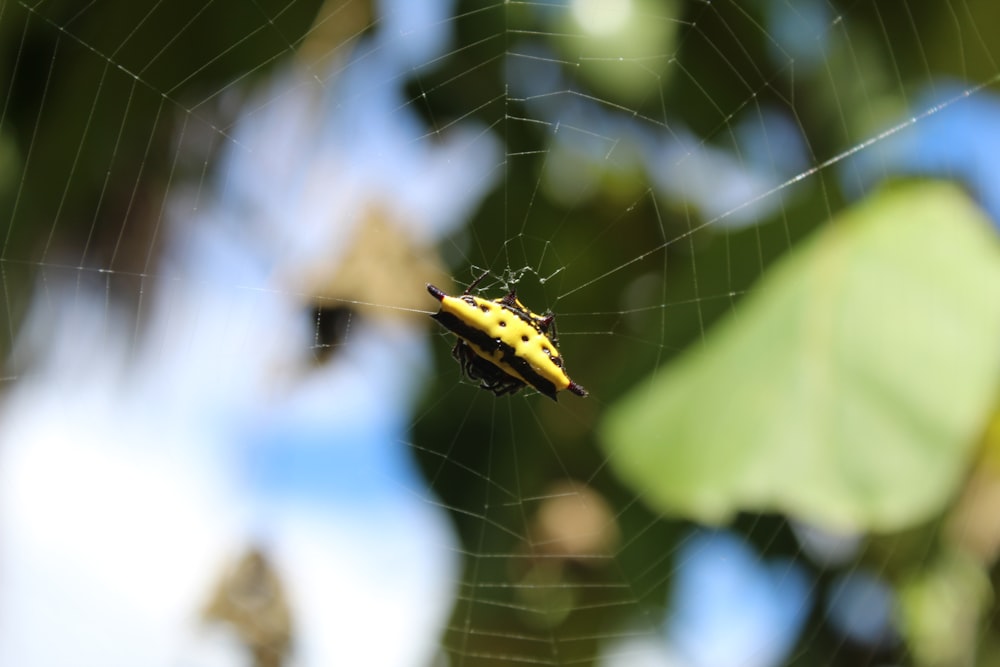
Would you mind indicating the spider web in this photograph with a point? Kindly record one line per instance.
(230, 431)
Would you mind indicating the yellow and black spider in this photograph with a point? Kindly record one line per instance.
(503, 345)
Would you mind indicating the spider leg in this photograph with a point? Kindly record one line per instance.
(472, 286)
(466, 359)
(513, 387)
(507, 385)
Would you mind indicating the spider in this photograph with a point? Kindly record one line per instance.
(502, 344)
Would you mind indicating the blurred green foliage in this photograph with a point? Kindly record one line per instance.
(96, 99)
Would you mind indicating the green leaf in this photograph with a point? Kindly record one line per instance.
(848, 389)
(942, 606)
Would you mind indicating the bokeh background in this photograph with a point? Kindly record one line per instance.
(230, 434)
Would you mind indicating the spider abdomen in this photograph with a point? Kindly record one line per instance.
(508, 344)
